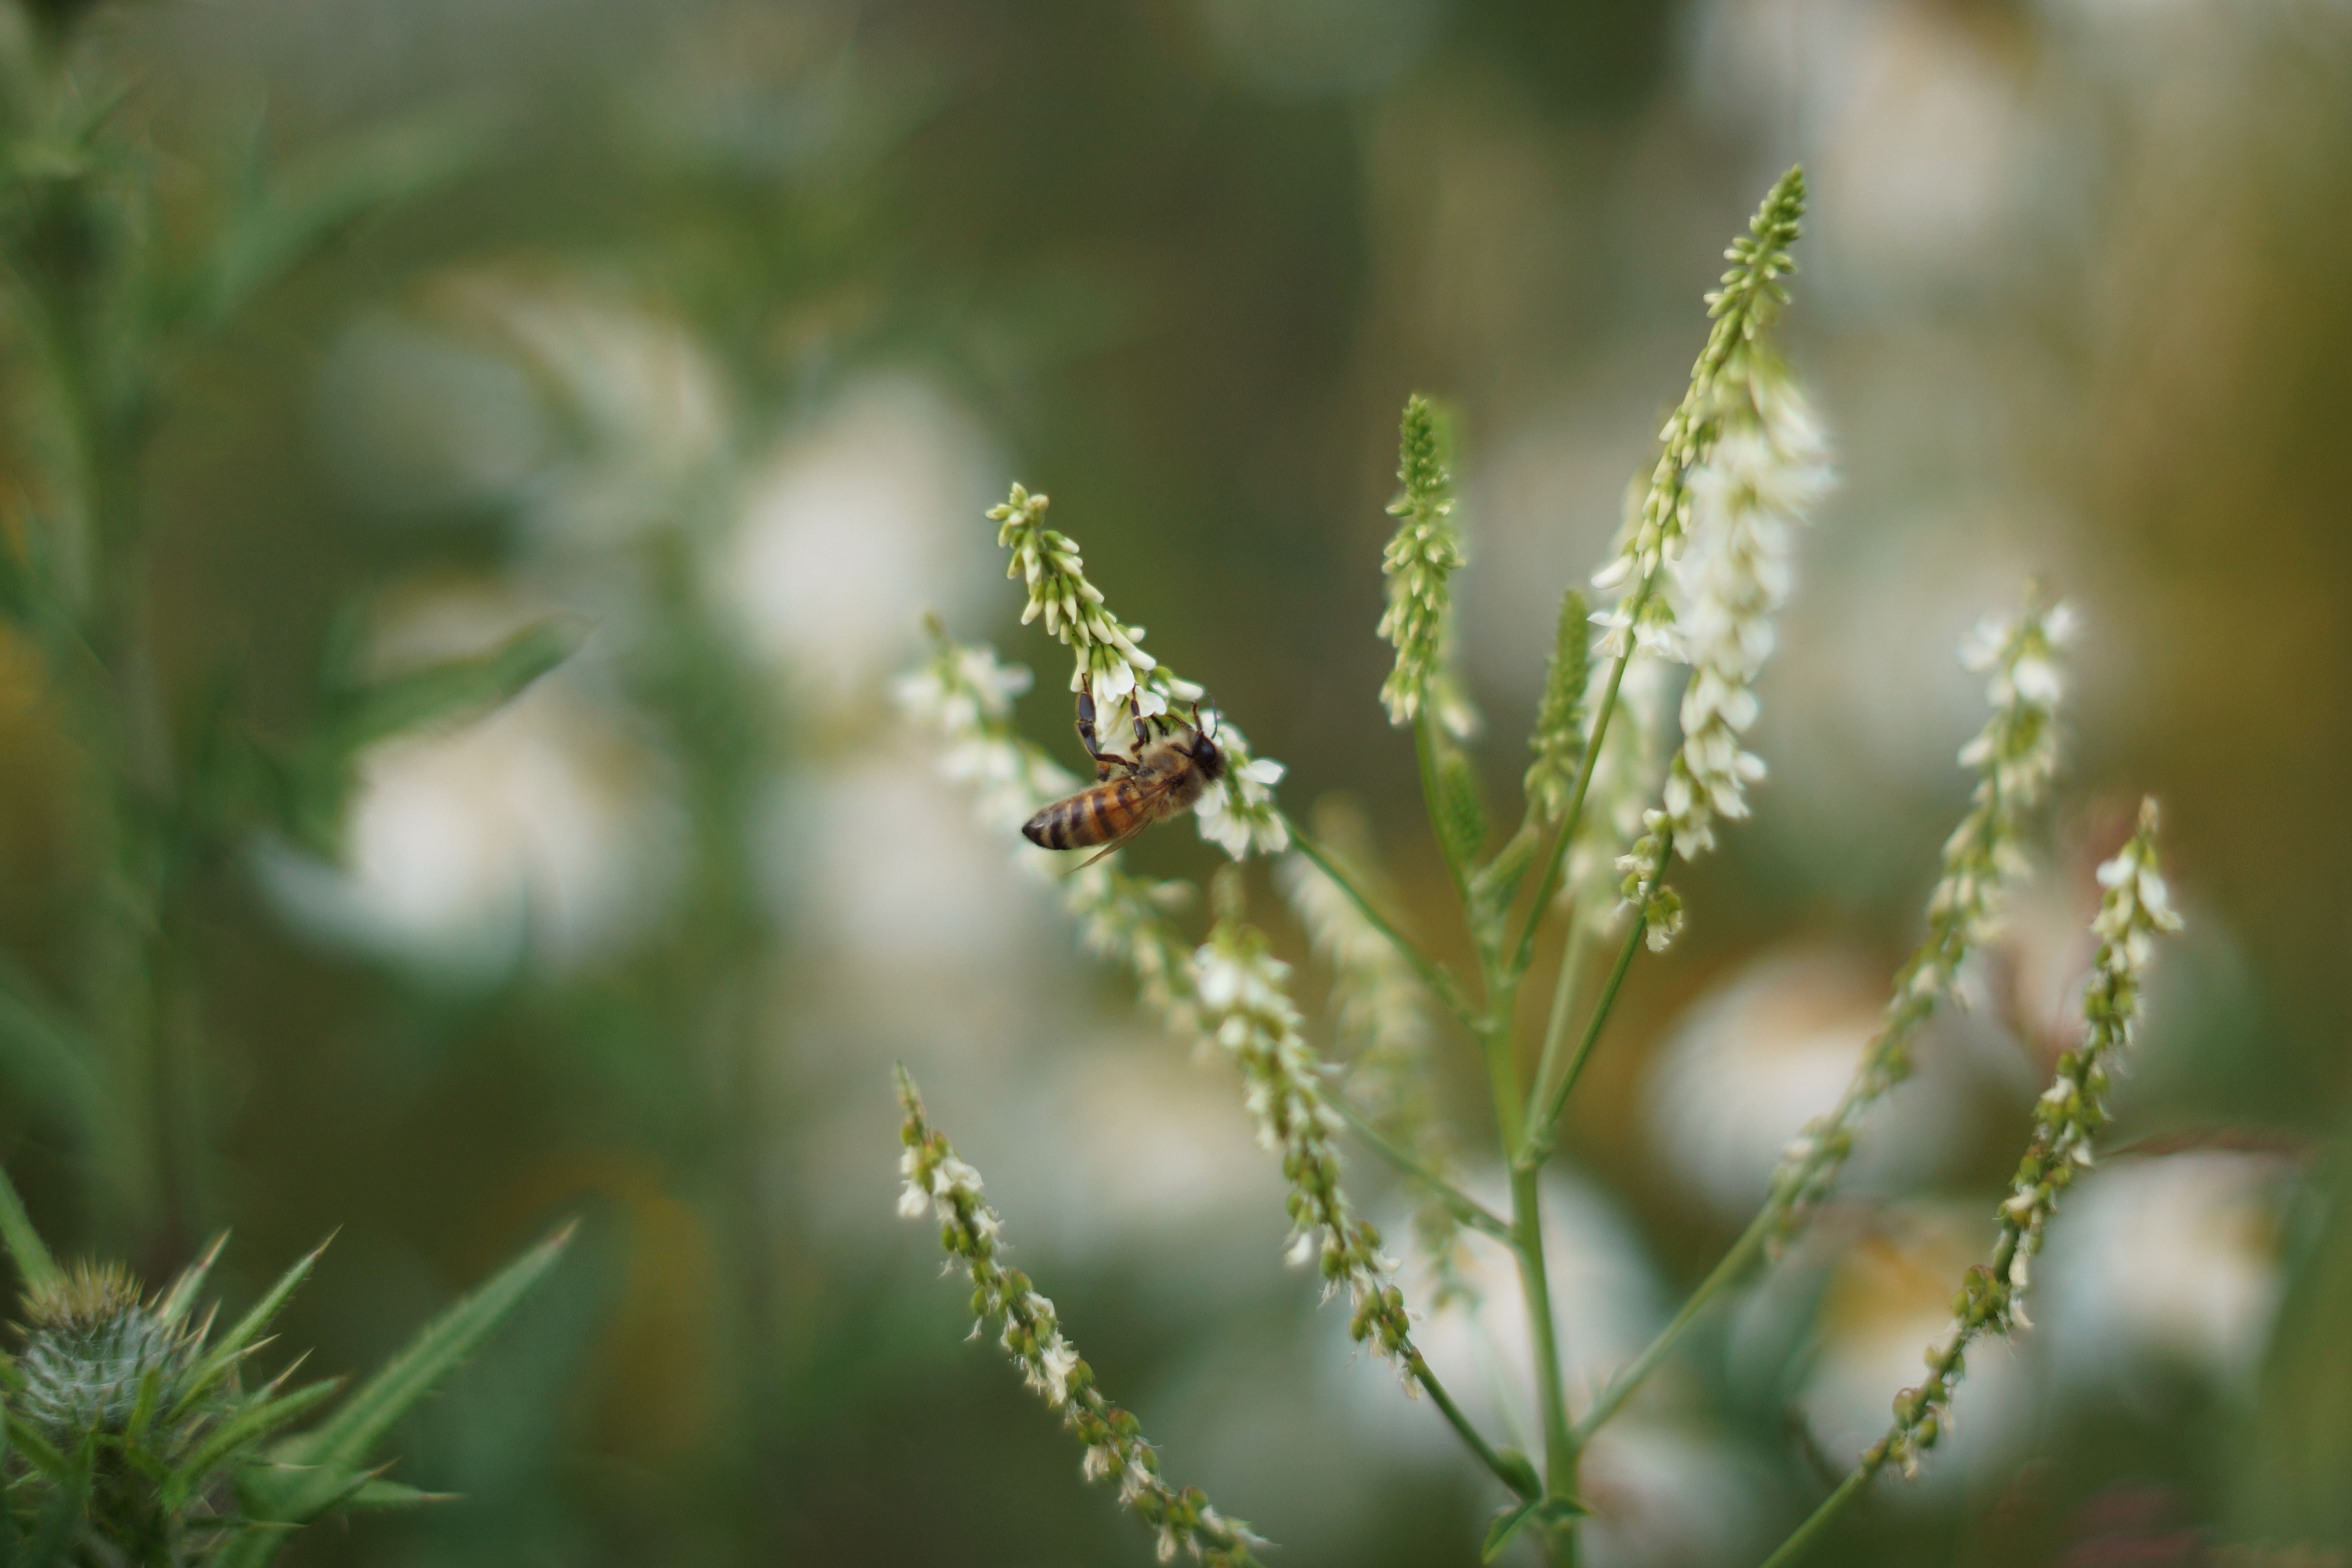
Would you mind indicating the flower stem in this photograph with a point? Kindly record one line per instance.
(1515, 1478)
(1424, 751)
(1537, 1142)
(1560, 1445)
(1735, 1263)
(1523, 952)
(1564, 997)
(1790, 1550)
(1432, 973)
(1461, 1205)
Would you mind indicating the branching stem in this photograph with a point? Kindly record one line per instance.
(1459, 1204)
(1513, 1477)
(1431, 973)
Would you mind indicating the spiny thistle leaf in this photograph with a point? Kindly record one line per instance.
(24, 1243)
(323, 1464)
(233, 1345)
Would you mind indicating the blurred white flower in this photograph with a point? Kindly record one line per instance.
(1918, 130)
(860, 522)
(2165, 1266)
(548, 827)
(1886, 1297)
(1767, 1049)
(1665, 1494)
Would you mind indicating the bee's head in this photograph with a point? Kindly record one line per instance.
(1203, 747)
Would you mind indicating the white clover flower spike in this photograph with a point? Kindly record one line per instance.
(2068, 1117)
(1114, 1448)
(1245, 1002)
(1425, 552)
(1237, 813)
(2015, 758)
(1767, 472)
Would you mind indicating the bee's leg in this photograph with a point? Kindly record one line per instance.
(1106, 762)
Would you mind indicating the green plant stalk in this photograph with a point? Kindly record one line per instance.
(1790, 1550)
(1433, 974)
(1734, 1263)
(1461, 1205)
(1512, 1477)
(1537, 1141)
(1424, 751)
(1563, 1000)
(1535, 1283)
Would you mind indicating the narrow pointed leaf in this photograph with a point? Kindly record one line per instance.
(53, 1536)
(182, 1293)
(379, 1492)
(151, 1388)
(313, 781)
(338, 1449)
(24, 1243)
(36, 1448)
(285, 222)
(234, 1344)
(255, 1421)
(1508, 1524)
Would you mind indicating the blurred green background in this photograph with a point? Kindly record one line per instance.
(726, 323)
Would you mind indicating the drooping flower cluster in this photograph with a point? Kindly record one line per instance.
(1245, 1002)
(965, 695)
(2015, 756)
(963, 691)
(1031, 1333)
(1426, 550)
(1238, 812)
(2133, 911)
(1767, 469)
(1741, 457)
(1625, 779)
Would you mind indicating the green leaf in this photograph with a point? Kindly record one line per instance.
(24, 1243)
(459, 688)
(1524, 1480)
(316, 1470)
(378, 1492)
(1546, 1513)
(315, 781)
(53, 1538)
(249, 1424)
(37, 1450)
(319, 198)
(1506, 1524)
(182, 1293)
(234, 1344)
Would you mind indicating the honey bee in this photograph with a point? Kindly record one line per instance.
(1174, 761)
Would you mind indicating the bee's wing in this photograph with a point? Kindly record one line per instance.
(1144, 818)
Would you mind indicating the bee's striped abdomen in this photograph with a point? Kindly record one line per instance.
(1091, 816)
